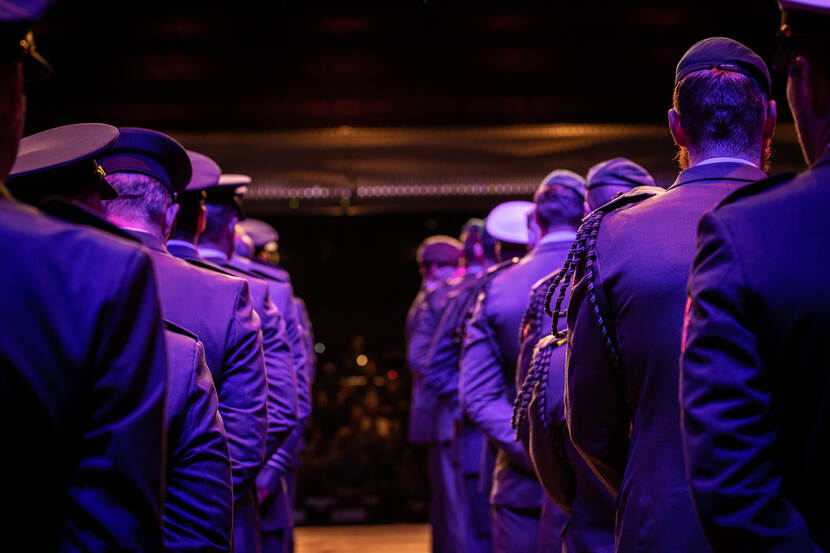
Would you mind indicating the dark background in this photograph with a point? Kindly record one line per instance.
(249, 64)
(316, 100)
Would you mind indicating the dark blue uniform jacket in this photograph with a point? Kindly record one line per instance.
(587, 507)
(220, 311)
(198, 502)
(282, 294)
(756, 370)
(279, 366)
(279, 357)
(625, 419)
(277, 510)
(424, 404)
(472, 454)
(488, 370)
(442, 417)
(82, 388)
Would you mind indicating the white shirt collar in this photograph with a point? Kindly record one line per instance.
(725, 160)
(212, 252)
(558, 236)
(135, 229)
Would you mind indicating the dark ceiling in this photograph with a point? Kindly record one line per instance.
(232, 75)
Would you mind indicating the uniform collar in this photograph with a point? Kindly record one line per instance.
(558, 236)
(75, 212)
(182, 244)
(213, 253)
(727, 170)
(147, 239)
(725, 160)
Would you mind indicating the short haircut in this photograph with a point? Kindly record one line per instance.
(721, 111)
(141, 198)
(558, 205)
(219, 219)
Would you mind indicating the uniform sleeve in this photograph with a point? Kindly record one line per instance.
(595, 403)
(482, 389)
(728, 428)
(307, 333)
(547, 443)
(282, 377)
(284, 457)
(441, 373)
(423, 328)
(301, 354)
(242, 395)
(115, 497)
(199, 503)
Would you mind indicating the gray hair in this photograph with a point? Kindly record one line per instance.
(141, 198)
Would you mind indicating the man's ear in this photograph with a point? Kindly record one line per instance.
(201, 225)
(170, 219)
(769, 122)
(676, 129)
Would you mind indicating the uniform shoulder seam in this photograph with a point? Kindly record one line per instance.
(173, 327)
(757, 187)
(633, 196)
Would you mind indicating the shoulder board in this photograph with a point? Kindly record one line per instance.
(633, 196)
(176, 329)
(501, 266)
(210, 267)
(272, 272)
(544, 282)
(485, 280)
(757, 187)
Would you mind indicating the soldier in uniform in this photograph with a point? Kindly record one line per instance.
(626, 310)
(197, 509)
(278, 479)
(82, 361)
(280, 355)
(83, 385)
(150, 170)
(441, 377)
(754, 372)
(265, 239)
(488, 362)
(198, 501)
(430, 422)
(539, 410)
(436, 304)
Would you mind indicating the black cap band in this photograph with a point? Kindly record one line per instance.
(725, 54)
(138, 162)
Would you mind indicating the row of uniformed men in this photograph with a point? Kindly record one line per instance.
(735, 462)
(471, 338)
(155, 391)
